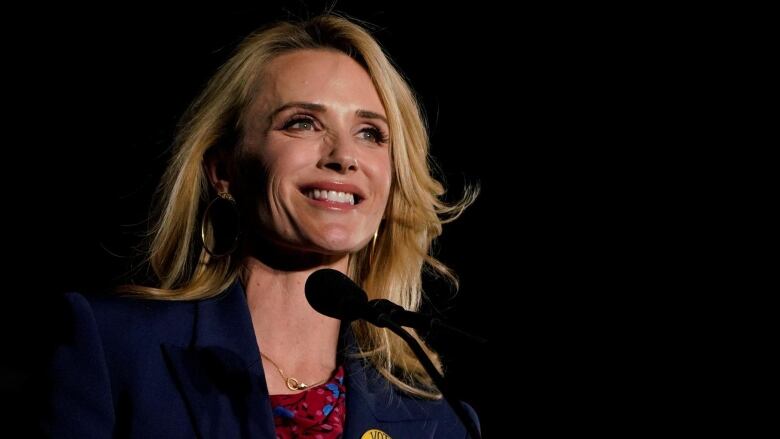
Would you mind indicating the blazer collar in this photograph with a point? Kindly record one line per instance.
(224, 321)
(220, 373)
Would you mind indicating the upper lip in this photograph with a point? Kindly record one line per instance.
(334, 186)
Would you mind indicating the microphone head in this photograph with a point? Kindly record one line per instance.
(332, 293)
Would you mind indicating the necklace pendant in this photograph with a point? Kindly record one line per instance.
(294, 384)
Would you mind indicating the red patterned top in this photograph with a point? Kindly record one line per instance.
(316, 413)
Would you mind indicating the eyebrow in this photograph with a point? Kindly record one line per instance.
(365, 114)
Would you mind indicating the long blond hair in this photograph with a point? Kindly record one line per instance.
(414, 217)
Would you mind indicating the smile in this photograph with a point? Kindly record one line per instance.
(333, 196)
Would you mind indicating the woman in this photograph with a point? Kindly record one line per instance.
(307, 150)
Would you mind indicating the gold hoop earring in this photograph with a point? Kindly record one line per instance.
(222, 220)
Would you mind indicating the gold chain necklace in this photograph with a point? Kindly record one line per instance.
(292, 383)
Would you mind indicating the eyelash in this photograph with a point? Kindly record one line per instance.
(379, 136)
(297, 119)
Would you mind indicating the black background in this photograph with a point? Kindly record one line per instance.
(537, 106)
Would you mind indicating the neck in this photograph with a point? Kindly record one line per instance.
(297, 338)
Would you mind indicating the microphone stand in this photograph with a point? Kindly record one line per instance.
(420, 321)
(438, 380)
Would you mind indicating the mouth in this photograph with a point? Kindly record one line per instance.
(333, 193)
(333, 196)
(330, 195)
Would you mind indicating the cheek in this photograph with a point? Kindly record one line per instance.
(285, 157)
(383, 172)
(274, 202)
(281, 166)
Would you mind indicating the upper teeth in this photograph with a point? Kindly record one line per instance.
(338, 197)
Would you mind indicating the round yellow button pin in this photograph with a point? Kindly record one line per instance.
(375, 434)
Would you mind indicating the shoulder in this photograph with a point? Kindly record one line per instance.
(128, 321)
(128, 313)
(450, 424)
(388, 404)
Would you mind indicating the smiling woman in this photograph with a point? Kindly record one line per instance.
(317, 129)
(306, 150)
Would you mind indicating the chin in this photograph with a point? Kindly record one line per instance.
(338, 248)
(338, 240)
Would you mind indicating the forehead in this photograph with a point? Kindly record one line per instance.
(319, 76)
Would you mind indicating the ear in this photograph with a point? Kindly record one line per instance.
(216, 165)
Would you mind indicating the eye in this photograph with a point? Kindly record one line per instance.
(374, 134)
(299, 123)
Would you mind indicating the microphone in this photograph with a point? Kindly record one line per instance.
(334, 294)
(400, 315)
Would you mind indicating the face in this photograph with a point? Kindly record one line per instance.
(318, 135)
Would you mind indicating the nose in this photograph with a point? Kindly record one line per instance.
(340, 158)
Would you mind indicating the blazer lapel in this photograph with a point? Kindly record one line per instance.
(220, 374)
(373, 405)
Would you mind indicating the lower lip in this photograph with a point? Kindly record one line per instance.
(331, 205)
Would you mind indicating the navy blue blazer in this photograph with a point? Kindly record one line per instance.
(146, 368)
